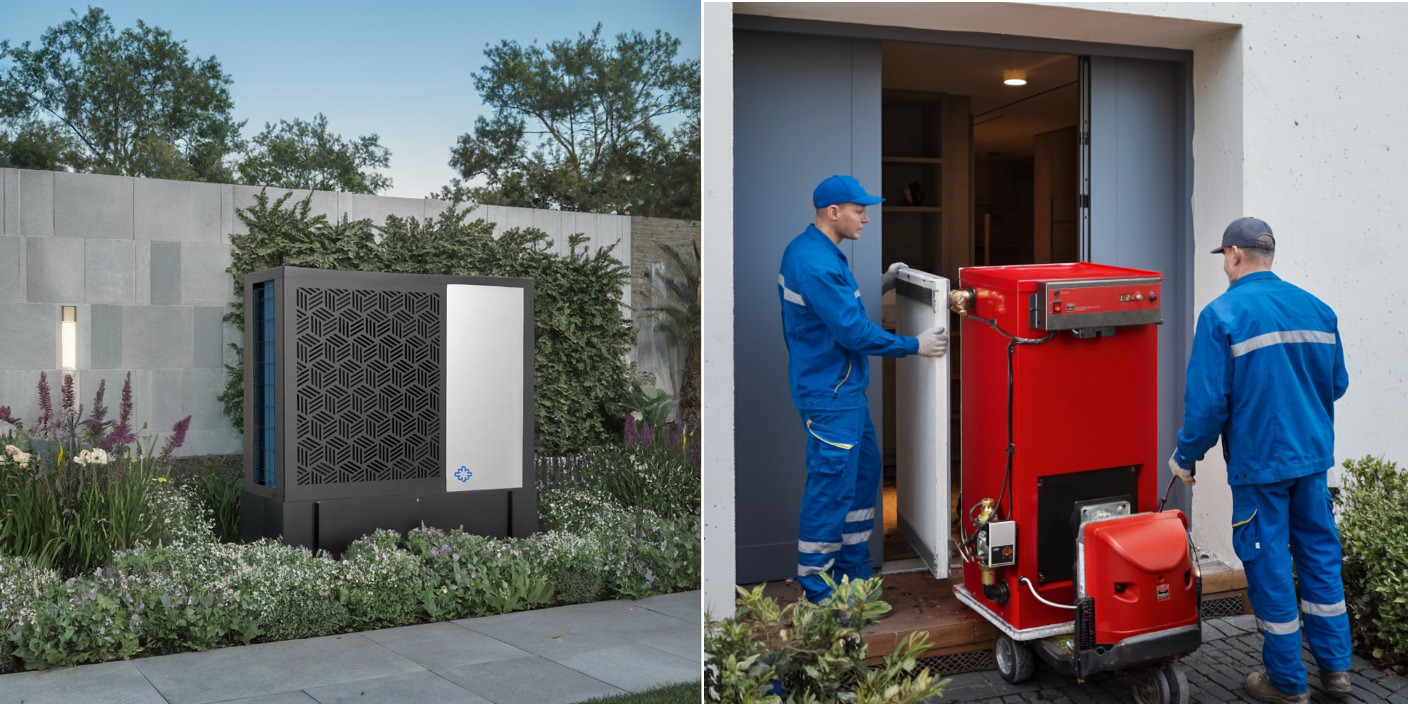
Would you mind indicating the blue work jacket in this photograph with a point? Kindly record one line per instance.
(1266, 369)
(829, 337)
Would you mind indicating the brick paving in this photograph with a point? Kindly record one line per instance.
(1231, 648)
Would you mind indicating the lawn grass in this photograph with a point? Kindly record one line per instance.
(682, 693)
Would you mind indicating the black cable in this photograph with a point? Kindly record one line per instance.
(1011, 386)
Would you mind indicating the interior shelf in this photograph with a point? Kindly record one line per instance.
(911, 160)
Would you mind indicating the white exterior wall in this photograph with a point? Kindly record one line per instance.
(1296, 112)
(716, 411)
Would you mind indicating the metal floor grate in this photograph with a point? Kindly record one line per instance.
(957, 663)
(1223, 607)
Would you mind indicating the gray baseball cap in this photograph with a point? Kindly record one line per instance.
(1248, 232)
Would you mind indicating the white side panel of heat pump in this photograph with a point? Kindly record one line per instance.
(483, 387)
(922, 481)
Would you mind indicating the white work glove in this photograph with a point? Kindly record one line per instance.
(933, 342)
(891, 276)
(1185, 474)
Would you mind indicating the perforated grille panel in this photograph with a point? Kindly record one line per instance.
(367, 385)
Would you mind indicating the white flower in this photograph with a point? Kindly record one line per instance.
(19, 456)
(93, 456)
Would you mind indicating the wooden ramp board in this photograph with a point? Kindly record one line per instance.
(920, 603)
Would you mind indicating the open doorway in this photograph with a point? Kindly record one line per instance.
(975, 171)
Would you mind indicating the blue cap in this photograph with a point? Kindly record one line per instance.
(842, 189)
(1247, 233)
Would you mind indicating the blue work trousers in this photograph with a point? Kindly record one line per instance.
(1273, 526)
(838, 506)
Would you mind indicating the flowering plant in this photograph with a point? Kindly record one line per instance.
(74, 487)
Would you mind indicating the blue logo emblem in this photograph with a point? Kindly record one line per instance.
(463, 474)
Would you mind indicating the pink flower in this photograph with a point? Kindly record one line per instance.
(100, 412)
(178, 437)
(120, 435)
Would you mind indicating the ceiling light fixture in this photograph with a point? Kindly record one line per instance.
(1014, 77)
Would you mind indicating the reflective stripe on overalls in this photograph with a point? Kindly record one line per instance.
(838, 504)
(1266, 540)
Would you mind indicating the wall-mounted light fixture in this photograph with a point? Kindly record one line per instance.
(1014, 77)
(68, 337)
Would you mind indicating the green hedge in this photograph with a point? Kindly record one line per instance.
(1374, 530)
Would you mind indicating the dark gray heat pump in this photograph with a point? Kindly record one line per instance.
(386, 401)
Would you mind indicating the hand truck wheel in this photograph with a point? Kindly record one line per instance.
(1161, 685)
(1015, 660)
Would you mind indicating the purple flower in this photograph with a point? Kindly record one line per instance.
(7, 417)
(631, 438)
(178, 436)
(67, 403)
(120, 435)
(125, 410)
(100, 412)
(646, 437)
(46, 405)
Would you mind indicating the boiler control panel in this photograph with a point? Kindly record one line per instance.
(1096, 303)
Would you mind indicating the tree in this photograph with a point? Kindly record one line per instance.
(301, 154)
(578, 126)
(36, 145)
(132, 103)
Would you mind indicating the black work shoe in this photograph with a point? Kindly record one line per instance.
(1260, 687)
(1336, 683)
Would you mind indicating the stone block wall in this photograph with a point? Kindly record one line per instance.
(143, 261)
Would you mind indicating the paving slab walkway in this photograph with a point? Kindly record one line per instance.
(549, 656)
(1216, 672)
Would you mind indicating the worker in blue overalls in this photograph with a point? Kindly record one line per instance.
(829, 343)
(1266, 369)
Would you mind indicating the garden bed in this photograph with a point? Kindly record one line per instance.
(627, 527)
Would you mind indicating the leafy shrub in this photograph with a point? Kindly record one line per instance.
(811, 652)
(581, 375)
(473, 575)
(181, 516)
(648, 476)
(217, 487)
(649, 405)
(293, 589)
(203, 595)
(381, 583)
(574, 564)
(644, 552)
(81, 621)
(21, 583)
(1374, 530)
(190, 597)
